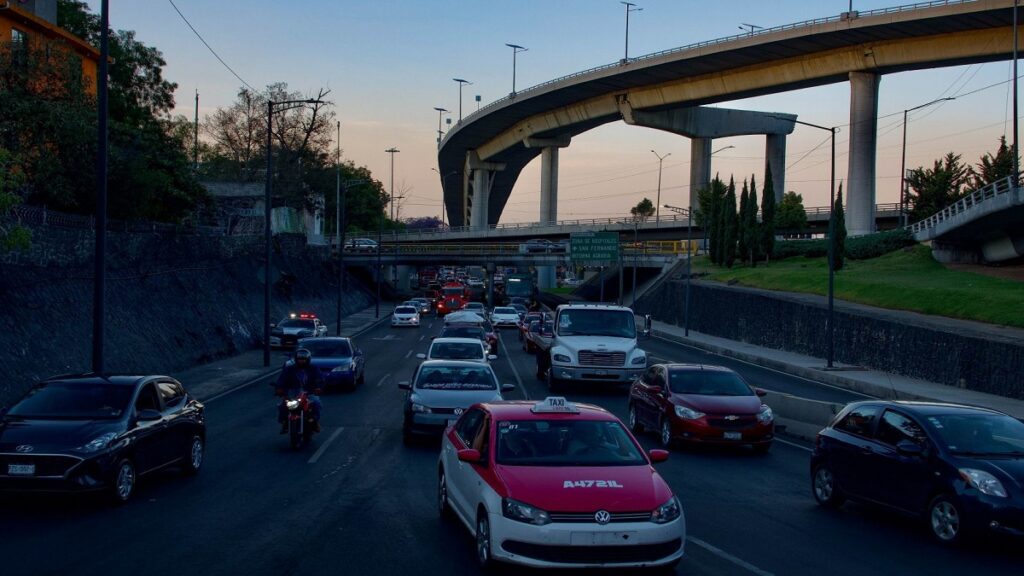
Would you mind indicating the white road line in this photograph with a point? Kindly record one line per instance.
(409, 353)
(834, 387)
(431, 325)
(383, 380)
(421, 337)
(515, 372)
(323, 447)
(729, 557)
(793, 444)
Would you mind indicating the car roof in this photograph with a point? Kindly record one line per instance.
(326, 339)
(579, 306)
(523, 410)
(92, 378)
(452, 364)
(684, 367)
(453, 340)
(927, 408)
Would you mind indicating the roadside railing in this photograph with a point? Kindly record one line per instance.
(649, 248)
(997, 188)
(42, 216)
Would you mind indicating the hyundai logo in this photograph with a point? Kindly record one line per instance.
(731, 417)
(458, 411)
(24, 448)
(602, 517)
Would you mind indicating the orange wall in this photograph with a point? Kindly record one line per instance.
(40, 31)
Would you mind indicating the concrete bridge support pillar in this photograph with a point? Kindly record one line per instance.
(404, 275)
(545, 277)
(549, 185)
(860, 188)
(775, 158)
(481, 192)
(700, 168)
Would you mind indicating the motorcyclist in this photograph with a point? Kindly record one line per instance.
(298, 376)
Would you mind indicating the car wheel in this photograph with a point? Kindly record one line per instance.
(194, 457)
(483, 541)
(125, 477)
(665, 434)
(825, 488)
(634, 422)
(946, 521)
(442, 497)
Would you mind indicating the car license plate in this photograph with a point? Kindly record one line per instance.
(21, 469)
(601, 538)
(733, 435)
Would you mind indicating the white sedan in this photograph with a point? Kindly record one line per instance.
(405, 316)
(504, 316)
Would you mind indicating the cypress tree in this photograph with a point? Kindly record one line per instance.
(730, 225)
(742, 231)
(768, 216)
(753, 231)
(839, 231)
(713, 229)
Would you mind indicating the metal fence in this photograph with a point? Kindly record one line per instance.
(38, 216)
(997, 188)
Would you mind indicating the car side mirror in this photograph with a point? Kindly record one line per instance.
(147, 415)
(646, 333)
(492, 357)
(760, 392)
(658, 455)
(908, 448)
(421, 356)
(469, 455)
(404, 385)
(508, 387)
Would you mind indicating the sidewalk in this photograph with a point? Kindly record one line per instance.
(856, 378)
(209, 380)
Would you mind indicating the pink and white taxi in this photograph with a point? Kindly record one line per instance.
(557, 484)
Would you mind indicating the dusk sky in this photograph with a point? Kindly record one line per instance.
(388, 63)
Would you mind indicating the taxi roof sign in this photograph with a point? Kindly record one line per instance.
(555, 404)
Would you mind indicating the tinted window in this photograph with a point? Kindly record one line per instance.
(171, 393)
(73, 401)
(469, 426)
(306, 324)
(566, 443)
(589, 322)
(708, 382)
(895, 427)
(984, 434)
(328, 348)
(476, 377)
(457, 351)
(453, 291)
(859, 421)
(147, 399)
(505, 311)
(405, 310)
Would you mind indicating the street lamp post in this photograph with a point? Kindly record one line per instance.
(100, 260)
(440, 113)
(630, 7)
(689, 258)
(657, 214)
(462, 83)
(268, 187)
(903, 162)
(749, 28)
(516, 49)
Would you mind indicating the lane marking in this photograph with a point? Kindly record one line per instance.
(383, 379)
(422, 337)
(729, 557)
(698, 349)
(793, 444)
(431, 325)
(515, 372)
(323, 447)
(409, 353)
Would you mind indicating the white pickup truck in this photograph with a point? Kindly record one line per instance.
(592, 342)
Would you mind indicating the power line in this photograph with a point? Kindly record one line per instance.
(210, 48)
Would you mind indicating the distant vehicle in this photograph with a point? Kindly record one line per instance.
(960, 468)
(475, 282)
(537, 245)
(405, 316)
(441, 390)
(538, 336)
(521, 309)
(287, 332)
(480, 330)
(423, 305)
(469, 349)
(554, 484)
(476, 307)
(519, 286)
(360, 245)
(699, 404)
(99, 433)
(453, 297)
(504, 316)
(527, 319)
(498, 278)
(570, 281)
(342, 364)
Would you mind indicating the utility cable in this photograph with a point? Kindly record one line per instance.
(210, 48)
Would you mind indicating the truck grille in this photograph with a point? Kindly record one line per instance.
(600, 358)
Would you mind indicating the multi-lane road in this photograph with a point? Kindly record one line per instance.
(357, 501)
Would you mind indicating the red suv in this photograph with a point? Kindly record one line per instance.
(700, 405)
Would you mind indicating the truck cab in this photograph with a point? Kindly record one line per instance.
(592, 343)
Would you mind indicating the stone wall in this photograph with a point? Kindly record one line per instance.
(173, 300)
(951, 352)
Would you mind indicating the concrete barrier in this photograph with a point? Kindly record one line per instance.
(801, 417)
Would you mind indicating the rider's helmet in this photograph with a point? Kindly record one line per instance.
(302, 357)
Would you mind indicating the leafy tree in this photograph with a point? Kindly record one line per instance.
(837, 231)
(643, 210)
(730, 227)
(791, 217)
(13, 236)
(932, 189)
(423, 223)
(767, 236)
(743, 231)
(753, 231)
(709, 198)
(993, 167)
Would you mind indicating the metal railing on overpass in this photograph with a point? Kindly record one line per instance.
(627, 249)
(976, 198)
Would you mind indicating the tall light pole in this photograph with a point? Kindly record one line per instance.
(440, 112)
(630, 7)
(337, 231)
(749, 28)
(267, 238)
(392, 151)
(657, 214)
(100, 259)
(516, 49)
(722, 148)
(1016, 151)
(903, 162)
(689, 258)
(462, 83)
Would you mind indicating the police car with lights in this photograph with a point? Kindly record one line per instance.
(295, 327)
(557, 484)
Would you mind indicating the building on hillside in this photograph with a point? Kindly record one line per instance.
(239, 207)
(29, 28)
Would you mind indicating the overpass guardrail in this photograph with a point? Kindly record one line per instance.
(976, 198)
(626, 249)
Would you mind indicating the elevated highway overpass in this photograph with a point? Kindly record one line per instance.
(483, 155)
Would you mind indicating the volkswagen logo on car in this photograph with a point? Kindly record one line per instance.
(458, 411)
(602, 517)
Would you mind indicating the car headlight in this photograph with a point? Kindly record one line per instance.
(291, 404)
(667, 512)
(985, 483)
(98, 443)
(420, 408)
(562, 358)
(688, 413)
(516, 510)
(765, 415)
(344, 367)
(639, 360)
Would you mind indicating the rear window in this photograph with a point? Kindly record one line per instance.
(477, 377)
(305, 324)
(505, 311)
(457, 351)
(405, 310)
(328, 348)
(708, 382)
(463, 332)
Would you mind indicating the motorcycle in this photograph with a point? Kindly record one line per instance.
(301, 425)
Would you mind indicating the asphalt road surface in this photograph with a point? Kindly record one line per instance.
(359, 502)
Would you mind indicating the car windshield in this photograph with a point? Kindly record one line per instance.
(328, 348)
(73, 401)
(405, 310)
(457, 351)
(305, 324)
(478, 377)
(707, 382)
(463, 332)
(979, 434)
(509, 311)
(562, 442)
(519, 308)
(591, 322)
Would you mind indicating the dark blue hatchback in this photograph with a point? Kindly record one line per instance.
(341, 363)
(959, 468)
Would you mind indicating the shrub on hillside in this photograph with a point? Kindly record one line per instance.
(793, 248)
(857, 248)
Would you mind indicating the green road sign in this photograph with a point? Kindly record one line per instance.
(594, 247)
